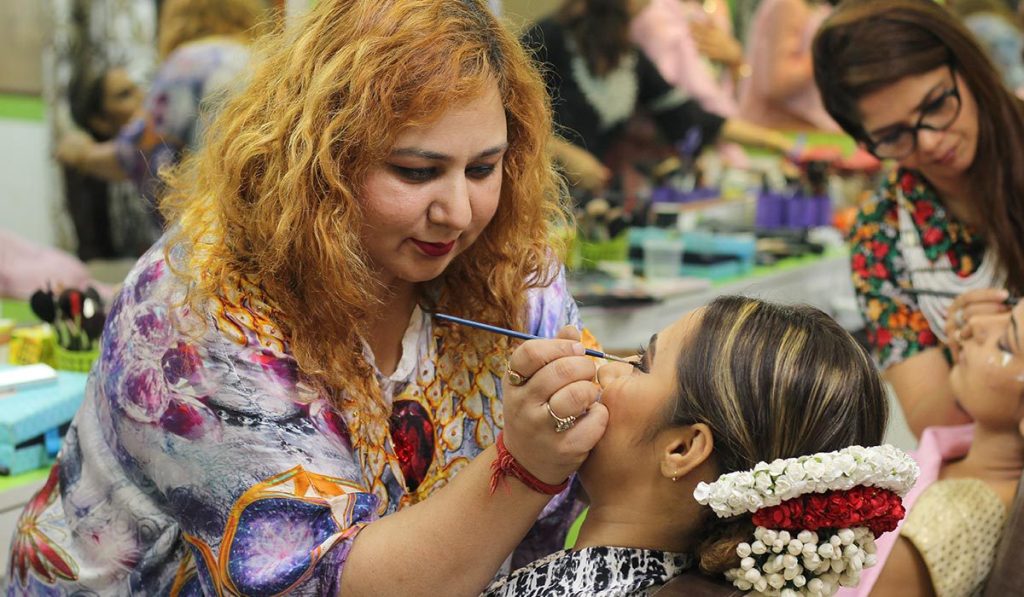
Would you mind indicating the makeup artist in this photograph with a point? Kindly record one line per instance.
(908, 81)
(599, 80)
(275, 409)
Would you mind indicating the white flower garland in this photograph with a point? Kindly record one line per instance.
(770, 484)
(778, 564)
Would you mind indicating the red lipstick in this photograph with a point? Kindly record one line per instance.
(434, 249)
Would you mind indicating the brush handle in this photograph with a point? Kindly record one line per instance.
(520, 335)
(1011, 301)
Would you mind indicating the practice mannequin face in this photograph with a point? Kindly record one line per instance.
(431, 198)
(637, 403)
(939, 155)
(988, 377)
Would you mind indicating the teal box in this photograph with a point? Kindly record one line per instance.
(14, 461)
(30, 412)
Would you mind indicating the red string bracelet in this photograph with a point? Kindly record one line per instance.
(506, 464)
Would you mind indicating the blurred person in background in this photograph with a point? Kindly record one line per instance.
(692, 44)
(598, 81)
(780, 91)
(109, 219)
(204, 48)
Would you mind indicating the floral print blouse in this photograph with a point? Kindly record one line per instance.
(896, 326)
(202, 462)
(186, 88)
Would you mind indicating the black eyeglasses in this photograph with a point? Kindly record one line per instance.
(937, 115)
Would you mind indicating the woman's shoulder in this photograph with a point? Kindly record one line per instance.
(960, 551)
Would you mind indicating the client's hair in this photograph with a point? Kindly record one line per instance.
(773, 381)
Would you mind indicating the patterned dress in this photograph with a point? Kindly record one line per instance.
(202, 462)
(898, 325)
(185, 91)
(594, 572)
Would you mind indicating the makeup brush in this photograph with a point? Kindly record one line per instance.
(514, 334)
(1010, 301)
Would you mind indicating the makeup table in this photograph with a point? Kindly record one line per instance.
(822, 281)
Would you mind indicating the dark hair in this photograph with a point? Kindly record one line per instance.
(600, 29)
(85, 96)
(866, 45)
(773, 381)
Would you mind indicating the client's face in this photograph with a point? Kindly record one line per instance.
(637, 402)
(988, 377)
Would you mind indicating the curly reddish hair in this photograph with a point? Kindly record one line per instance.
(273, 195)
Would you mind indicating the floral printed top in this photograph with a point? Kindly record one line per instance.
(896, 325)
(190, 81)
(202, 462)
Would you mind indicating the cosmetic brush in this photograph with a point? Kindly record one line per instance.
(1010, 301)
(520, 335)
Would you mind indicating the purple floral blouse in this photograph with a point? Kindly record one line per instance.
(183, 96)
(201, 462)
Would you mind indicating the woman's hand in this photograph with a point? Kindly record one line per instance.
(985, 301)
(557, 376)
(73, 147)
(716, 44)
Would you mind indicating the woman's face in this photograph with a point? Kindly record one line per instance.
(988, 377)
(435, 192)
(637, 401)
(122, 98)
(942, 154)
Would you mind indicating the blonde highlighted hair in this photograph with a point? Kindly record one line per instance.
(182, 21)
(274, 194)
(772, 381)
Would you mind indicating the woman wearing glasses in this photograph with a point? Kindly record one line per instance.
(908, 81)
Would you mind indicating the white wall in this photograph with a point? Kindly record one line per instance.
(28, 178)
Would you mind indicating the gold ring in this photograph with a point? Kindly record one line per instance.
(561, 423)
(958, 336)
(516, 379)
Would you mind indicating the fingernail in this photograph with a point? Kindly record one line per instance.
(578, 348)
(1004, 293)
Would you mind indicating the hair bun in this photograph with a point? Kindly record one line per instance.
(716, 554)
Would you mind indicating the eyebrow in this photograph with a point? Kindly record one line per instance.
(443, 157)
(927, 98)
(649, 353)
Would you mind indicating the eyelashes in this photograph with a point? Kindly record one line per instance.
(642, 363)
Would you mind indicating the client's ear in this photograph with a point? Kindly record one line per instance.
(684, 449)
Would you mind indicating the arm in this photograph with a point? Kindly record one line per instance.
(581, 167)
(747, 133)
(99, 160)
(921, 383)
(905, 573)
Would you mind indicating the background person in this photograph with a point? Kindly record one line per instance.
(204, 49)
(599, 80)
(907, 80)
